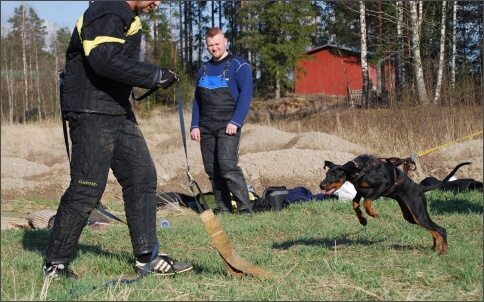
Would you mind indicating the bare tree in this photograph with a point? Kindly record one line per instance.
(454, 42)
(400, 39)
(416, 12)
(8, 79)
(364, 55)
(441, 55)
(40, 100)
(58, 46)
(55, 48)
(23, 36)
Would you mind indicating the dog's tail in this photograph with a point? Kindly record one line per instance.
(443, 181)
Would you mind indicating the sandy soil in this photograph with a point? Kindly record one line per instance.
(34, 162)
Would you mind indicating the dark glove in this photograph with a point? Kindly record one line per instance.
(167, 78)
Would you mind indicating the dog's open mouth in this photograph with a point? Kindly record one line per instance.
(330, 191)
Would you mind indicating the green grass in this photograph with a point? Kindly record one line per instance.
(318, 250)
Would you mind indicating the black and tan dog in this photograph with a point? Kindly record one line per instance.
(373, 178)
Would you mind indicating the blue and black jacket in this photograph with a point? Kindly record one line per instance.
(224, 92)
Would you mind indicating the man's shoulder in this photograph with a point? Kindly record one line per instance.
(99, 9)
(237, 58)
(239, 61)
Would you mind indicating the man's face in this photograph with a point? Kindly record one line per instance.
(217, 46)
(146, 6)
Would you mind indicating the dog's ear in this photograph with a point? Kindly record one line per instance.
(350, 167)
(328, 164)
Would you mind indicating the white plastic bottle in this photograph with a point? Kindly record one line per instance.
(164, 223)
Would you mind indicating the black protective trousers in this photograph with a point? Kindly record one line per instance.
(220, 159)
(101, 142)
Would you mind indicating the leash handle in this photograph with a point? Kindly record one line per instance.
(144, 96)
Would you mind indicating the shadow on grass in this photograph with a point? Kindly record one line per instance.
(344, 242)
(399, 247)
(458, 205)
(327, 242)
(37, 242)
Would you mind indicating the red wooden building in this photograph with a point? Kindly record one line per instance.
(333, 71)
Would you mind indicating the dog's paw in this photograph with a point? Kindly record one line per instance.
(363, 221)
(373, 213)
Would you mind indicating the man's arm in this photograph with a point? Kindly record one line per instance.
(245, 88)
(103, 42)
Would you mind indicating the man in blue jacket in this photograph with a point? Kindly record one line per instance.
(222, 100)
(102, 67)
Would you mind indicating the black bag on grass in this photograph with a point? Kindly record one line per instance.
(272, 199)
(176, 198)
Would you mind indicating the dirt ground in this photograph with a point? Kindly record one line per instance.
(34, 163)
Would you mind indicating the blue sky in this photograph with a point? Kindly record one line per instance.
(58, 13)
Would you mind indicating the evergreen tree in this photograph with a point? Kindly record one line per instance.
(277, 32)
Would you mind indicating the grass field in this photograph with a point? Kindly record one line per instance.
(318, 251)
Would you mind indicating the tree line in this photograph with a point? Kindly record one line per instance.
(433, 47)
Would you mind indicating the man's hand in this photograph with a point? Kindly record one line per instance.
(231, 129)
(167, 79)
(195, 134)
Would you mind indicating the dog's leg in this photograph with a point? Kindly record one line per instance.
(375, 192)
(435, 237)
(416, 212)
(369, 209)
(359, 213)
(444, 246)
(440, 243)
